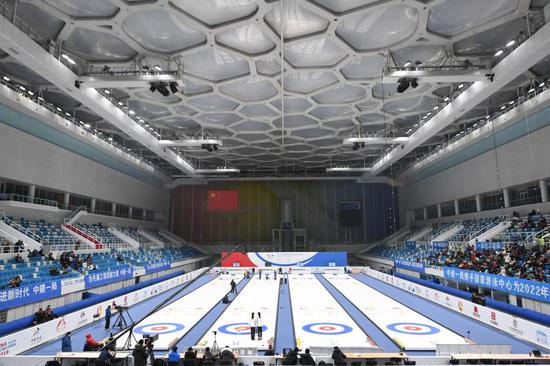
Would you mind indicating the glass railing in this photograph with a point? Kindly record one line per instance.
(28, 199)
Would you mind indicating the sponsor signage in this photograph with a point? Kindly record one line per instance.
(512, 285)
(518, 327)
(489, 245)
(410, 265)
(440, 244)
(26, 294)
(100, 278)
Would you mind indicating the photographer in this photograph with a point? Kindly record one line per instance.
(140, 354)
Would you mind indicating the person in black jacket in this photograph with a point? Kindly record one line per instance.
(190, 354)
(291, 357)
(140, 354)
(338, 355)
(306, 359)
(270, 351)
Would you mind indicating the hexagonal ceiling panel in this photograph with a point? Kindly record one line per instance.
(318, 52)
(216, 12)
(248, 38)
(341, 94)
(452, 17)
(379, 27)
(236, 72)
(292, 105)
(161, 31)
(297, 20)
(250, 90)
(85, 8)
(98, 46)
(215, 65)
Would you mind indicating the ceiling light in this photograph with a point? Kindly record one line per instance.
(348, 169)
(67, 114)
(446, 99)
(499, 52)
(87, 125)
(22, 87)
(403, 84)
(41, 99)
(511, 43)
(131, 112)
(531, 90)
(542, 84)
(475, 125)
(157, 67)
(503, 107)
(58, 109)
(487, 117)
(460, 86)
(120, 104)
(110, 139)
(511, 102)
(173, 87)
(30, 92)
(107, 91)
(429, 114)
(6, 78)
(435, 108)
(407, 64)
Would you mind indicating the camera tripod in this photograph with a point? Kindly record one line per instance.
(215, 349)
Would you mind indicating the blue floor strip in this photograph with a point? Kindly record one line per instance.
(284, 330)
(379, 337)
(195, 334)
(97, 329)
(458, 323)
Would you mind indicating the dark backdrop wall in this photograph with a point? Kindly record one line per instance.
(315, 206)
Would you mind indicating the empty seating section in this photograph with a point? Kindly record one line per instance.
(102, 234)
(134, 233)
(143, 257)
(155, 234)
(436, 230)
(49, 233)
(473, 227)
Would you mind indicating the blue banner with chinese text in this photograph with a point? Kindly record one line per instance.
(516, 286)
(100, 278)
(26, 294)
(410, 265)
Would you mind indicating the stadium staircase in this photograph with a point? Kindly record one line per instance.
(447, 233)
(125, 236)
(14, 230)
(179, 242)
(75, 215)
(84, 236)
(154, 239)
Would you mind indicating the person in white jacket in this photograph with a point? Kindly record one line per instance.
(259, 326)
(252, 326)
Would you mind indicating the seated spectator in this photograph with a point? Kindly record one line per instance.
(208, 356)
(291, 357)
(15, 282)
(49, 314)
(227, 356)
(173, 357)
(18, 258)
(54, 271)
(338, 356)
(190, 354)
(39, 316)
(270, 351)
(306, 359)
(50, 256)
(105, 356)
(91, 344)
(19, 246)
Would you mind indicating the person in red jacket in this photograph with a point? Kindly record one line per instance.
(91, 344)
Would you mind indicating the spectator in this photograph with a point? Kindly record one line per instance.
(18, 258)
(105, 356)
(54, 271)
(338, 356)
(190, 354)
(270, 351)
(173, 357)
(66, 343)
(108, 317)
(49, 314)
(306, 359)
(39, 316)
(140, 354)
(50, 256)
(15, 282)
(91, 344)
(208, 356)
(291, 357)
(226, 355)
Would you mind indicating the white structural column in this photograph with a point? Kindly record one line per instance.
(113, 209)
(32, 190)
(27, 52)
(523, 57)
(439, 210)
(543, 190)
(130, 212)
(506, 195)
(478, 203)
(457, 207)
(92, 205)
(425, 213)
(66, 199)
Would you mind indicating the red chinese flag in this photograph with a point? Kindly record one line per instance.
(223, 200)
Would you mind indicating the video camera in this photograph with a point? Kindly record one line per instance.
(150, 339)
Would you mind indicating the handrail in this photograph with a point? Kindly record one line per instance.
(28, 199)
(538, 234)
(20, 228)
(491, 225)
(75, 211)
